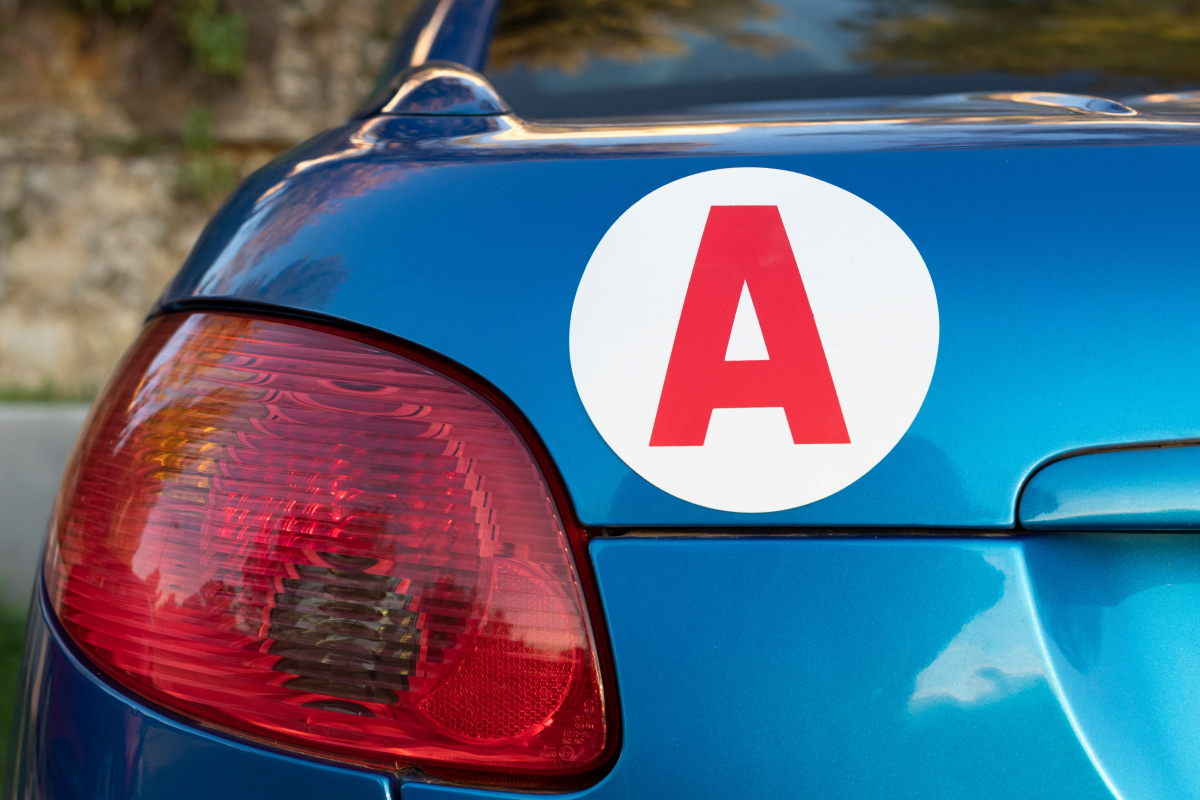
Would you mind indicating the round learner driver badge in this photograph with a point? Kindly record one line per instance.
(753, 339)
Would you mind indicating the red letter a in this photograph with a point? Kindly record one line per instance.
(747, 245)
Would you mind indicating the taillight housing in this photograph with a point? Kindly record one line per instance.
(302, 535)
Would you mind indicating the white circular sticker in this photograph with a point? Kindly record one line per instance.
(753, 339)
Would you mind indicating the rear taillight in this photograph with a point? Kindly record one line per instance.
(303, 536)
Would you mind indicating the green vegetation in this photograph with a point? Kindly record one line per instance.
(13, 225)
(204, 176)
(12, 639)
(1158, 38)
(215, 37)
(205, 179)
(565, 33)
(197, 131)
(45, 393)
(131, 147)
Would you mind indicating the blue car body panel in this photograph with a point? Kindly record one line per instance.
(1051, 666)
(444, 30)
(1045, 667)
(1141, 489)
(1061, 248)
(791, 660)
(1056, 666)
(76, 737)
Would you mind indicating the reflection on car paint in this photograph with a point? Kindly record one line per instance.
(389, 208)
(994, 655)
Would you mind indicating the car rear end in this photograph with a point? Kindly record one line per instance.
(393, 496)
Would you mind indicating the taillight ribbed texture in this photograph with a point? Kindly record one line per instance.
(306, 537)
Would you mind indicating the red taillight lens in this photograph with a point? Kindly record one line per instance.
(311, 539)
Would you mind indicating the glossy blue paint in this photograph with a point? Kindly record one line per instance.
(1146, 489)
(76, 737)
(444, 30)
(1058, 231)
(437, 88)
(1121, 614)
(1060, 245)
(1057, 666)
(902, 668)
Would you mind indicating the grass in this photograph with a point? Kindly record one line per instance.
(12, 638)
(45, 393)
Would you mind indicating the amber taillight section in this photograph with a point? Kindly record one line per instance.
(303, 536)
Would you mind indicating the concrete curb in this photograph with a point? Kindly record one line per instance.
(35, 442)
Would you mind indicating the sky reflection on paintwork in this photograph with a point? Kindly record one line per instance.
(994, 656)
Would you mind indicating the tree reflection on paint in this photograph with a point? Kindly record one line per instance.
(564, 34)
(1157, 39)
(1128, 38)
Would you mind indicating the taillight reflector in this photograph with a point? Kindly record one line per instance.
(308, 538)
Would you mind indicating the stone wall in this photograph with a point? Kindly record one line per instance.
(113, 154)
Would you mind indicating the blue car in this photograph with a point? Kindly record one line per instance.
(692, 399)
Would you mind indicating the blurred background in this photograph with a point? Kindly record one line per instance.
(123, 125)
